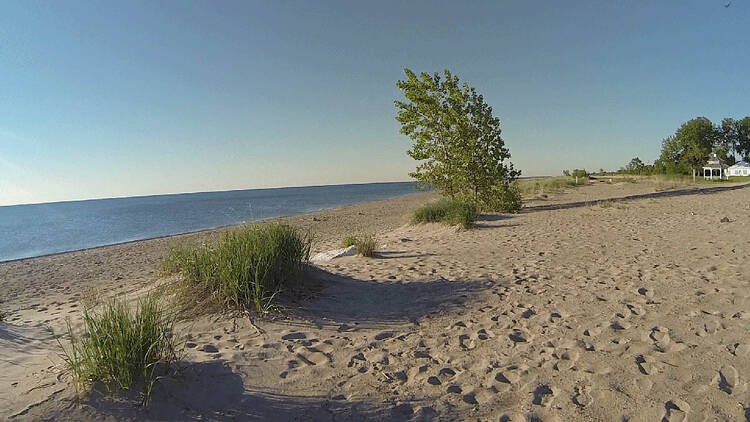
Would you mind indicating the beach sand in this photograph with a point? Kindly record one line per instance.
(572, 310)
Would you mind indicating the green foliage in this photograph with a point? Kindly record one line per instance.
(734, 137)
(689, 148)
(119, 347)
(504, 198)
(580, 173)
(456, 139)
(635, 166)
(248, 267)
(451, 212)
(366, 245)
(349, 241)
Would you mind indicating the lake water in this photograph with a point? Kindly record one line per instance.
(41, 229)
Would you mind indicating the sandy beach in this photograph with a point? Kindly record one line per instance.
(579, 308)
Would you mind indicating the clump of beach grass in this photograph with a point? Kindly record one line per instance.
(120, 347)
(447, 211)
(349, 241)
(366, 245)
(549, 185)
(247, 268)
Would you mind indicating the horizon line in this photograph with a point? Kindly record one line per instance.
(215, 191)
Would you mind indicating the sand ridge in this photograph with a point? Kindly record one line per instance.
(617, 311)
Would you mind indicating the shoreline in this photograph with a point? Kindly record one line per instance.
(205, 230)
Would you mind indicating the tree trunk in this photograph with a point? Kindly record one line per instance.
(693, 175)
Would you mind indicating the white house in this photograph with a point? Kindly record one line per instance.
(715, 167)
(741, 168)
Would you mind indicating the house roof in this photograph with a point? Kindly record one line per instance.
(740, 164)
(714, 162)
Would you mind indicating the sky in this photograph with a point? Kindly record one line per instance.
(107, 99)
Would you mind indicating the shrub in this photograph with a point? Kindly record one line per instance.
(447, 211)
(366, 245)
(581, 173)
(505, 198)
(349, 241)
(249, 266)
(119, 347)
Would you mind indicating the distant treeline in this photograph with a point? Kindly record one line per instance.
(688, 150)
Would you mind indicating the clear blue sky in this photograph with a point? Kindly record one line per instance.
(101, 99)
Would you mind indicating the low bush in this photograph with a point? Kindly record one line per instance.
(120, 347)
(248, 267)
(447, 211)
(505, 198)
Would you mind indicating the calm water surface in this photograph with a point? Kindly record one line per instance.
(41, 229)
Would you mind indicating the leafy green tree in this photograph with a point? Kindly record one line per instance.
(689, 148)
(635, 166)
(582, 173)
(743, 137)
(728, 137)
(456, 139)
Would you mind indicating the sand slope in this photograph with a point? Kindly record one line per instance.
(622, 311)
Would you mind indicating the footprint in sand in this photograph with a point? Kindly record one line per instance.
(519, 336)
(543, 395)
(582, 396)
(741, 350)
(209, 348)
(676, 410)
(647, 365)
(467, 342)
(567, 359)
(710, 327)
(636, 309)
(294, 336)
(311, 356)
(728, 380)
(384, 335)
(660, 337)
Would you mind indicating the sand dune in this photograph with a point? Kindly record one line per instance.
(636, 310)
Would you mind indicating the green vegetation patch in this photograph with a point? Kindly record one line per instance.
(248, 267)
(451, 212)
(121, 347)
(549, 185)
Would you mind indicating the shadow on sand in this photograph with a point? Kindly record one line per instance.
(212, 391)
(346, 301)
